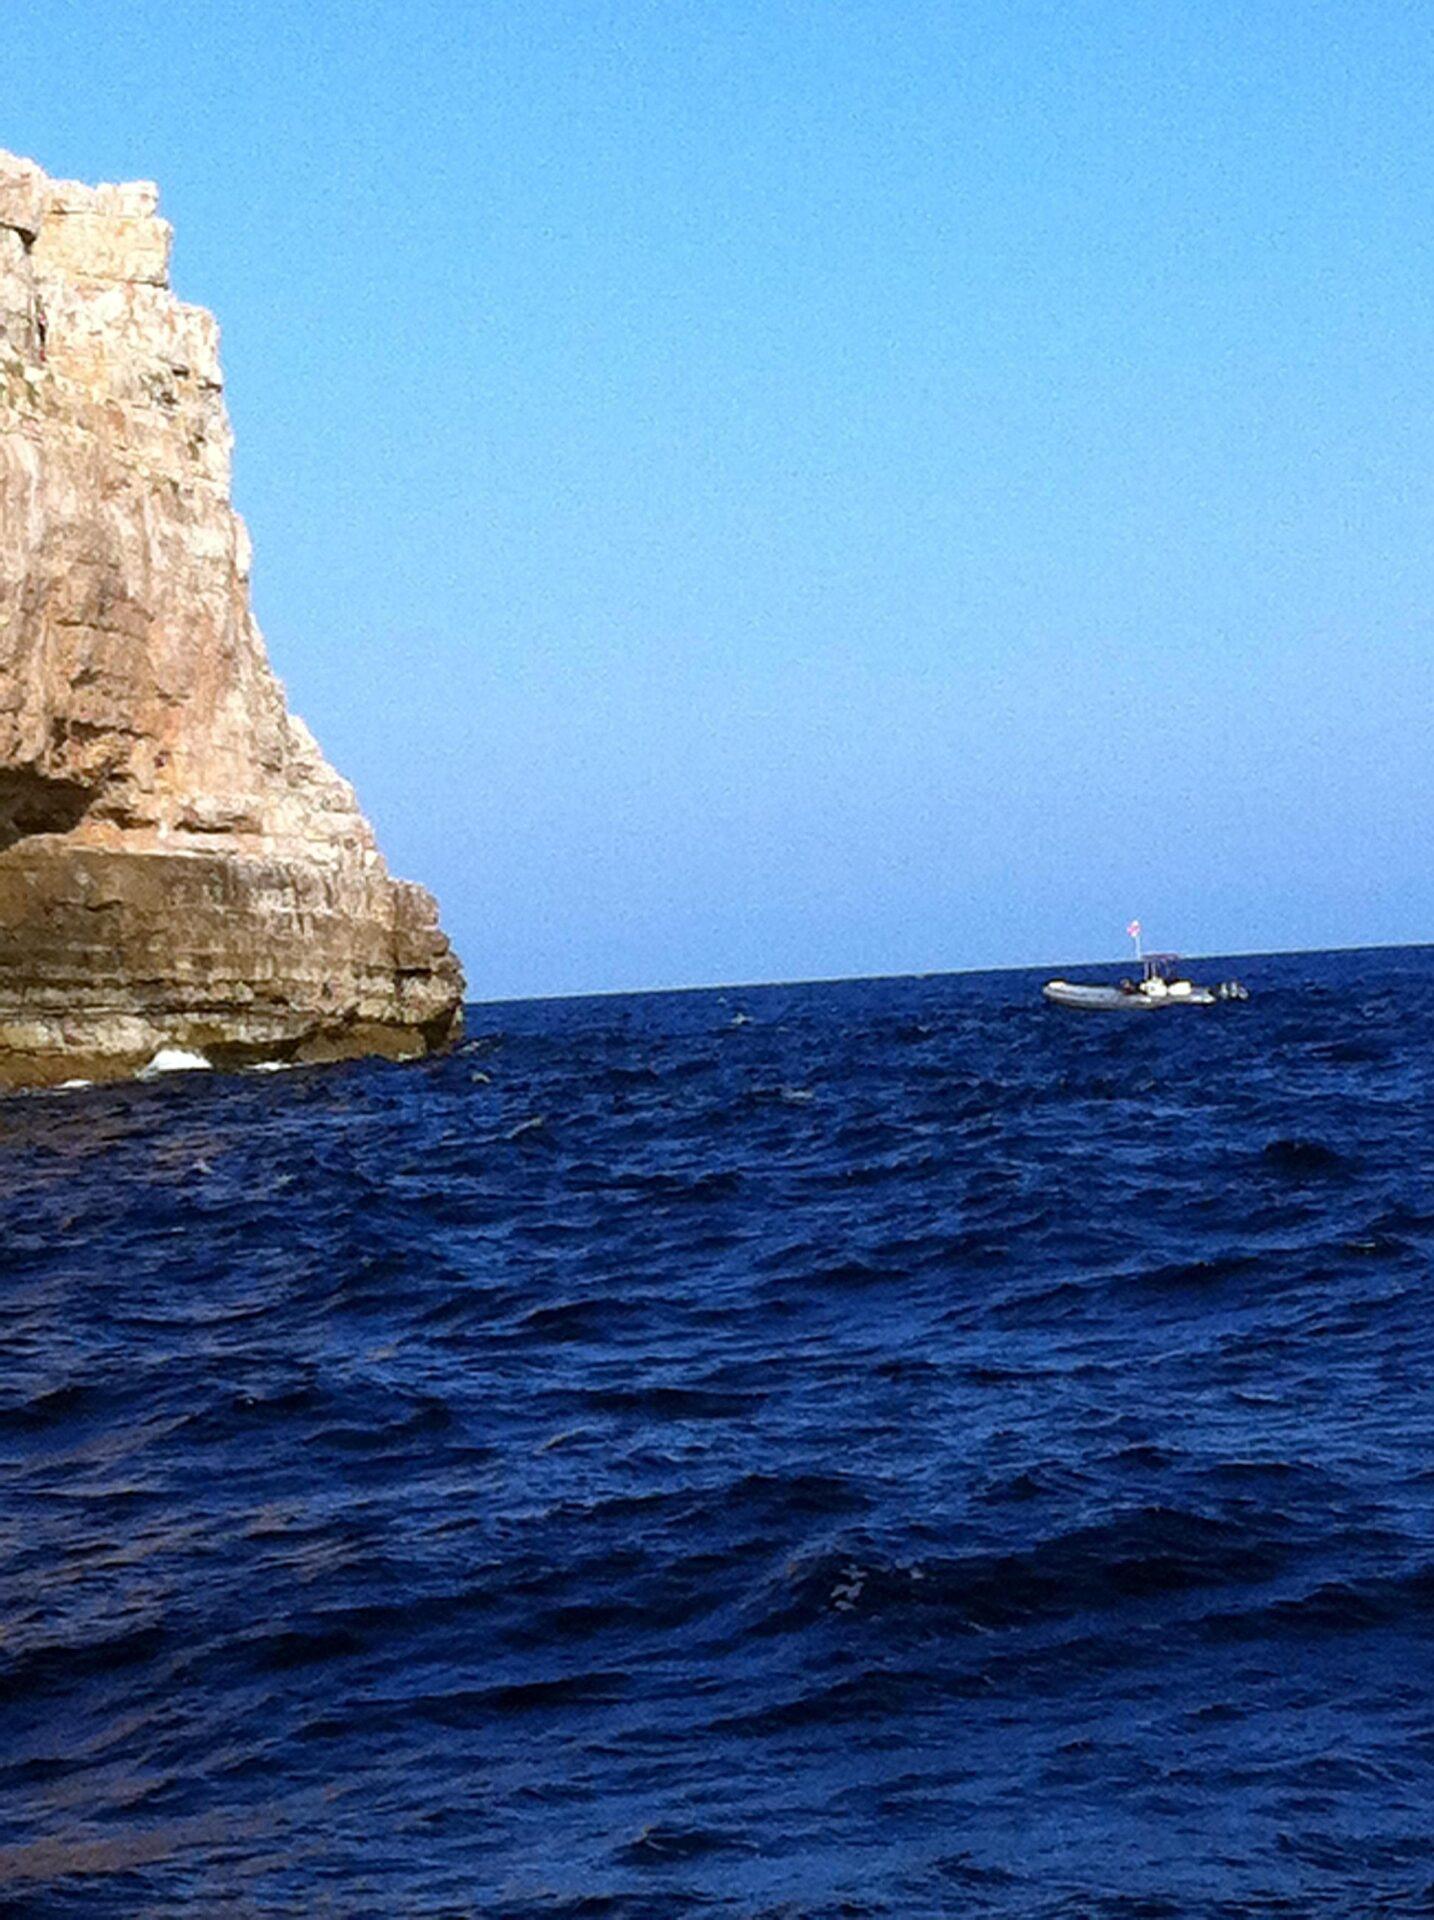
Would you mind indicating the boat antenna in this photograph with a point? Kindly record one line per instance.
(1134, 931)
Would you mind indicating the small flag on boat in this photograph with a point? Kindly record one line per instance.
(1134, 929)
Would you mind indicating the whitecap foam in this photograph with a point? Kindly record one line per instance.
(174, 1060)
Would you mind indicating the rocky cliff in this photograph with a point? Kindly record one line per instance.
(179, 865)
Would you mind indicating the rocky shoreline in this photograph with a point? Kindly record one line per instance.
(179, 865)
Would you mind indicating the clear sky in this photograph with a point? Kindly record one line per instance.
(757, 489)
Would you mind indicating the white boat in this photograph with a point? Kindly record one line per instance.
(1160, 985)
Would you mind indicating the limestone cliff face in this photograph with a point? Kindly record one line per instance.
(179, 865)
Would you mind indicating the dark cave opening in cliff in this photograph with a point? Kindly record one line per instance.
(32, 803)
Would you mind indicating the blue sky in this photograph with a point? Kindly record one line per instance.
(757, 491)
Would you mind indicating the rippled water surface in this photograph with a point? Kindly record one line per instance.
(886, 1448)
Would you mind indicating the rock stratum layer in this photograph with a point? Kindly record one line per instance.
(179, 865)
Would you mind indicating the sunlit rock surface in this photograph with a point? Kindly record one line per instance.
(179, 865)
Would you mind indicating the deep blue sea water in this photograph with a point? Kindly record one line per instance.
(905, 1451)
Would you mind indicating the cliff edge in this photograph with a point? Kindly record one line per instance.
(179, 865)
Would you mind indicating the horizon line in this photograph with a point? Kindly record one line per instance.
(928, 973)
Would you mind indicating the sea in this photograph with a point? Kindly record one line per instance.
(889, 1448)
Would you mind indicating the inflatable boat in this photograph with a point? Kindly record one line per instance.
(1159, 985)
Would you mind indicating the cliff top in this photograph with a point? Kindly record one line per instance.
(102, 233)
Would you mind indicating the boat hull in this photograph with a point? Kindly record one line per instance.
(1066, 993)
